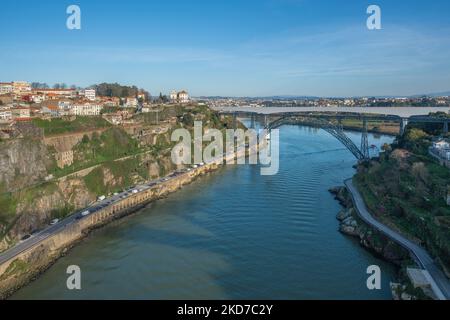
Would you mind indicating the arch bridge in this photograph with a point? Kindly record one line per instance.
(331, 123)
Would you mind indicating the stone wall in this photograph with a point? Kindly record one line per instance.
(39, 257)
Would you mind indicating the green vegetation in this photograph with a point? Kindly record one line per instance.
(114, 143)
(60, 126)
(407, 189)
(8, 205)
(119, 91)
(16, 267)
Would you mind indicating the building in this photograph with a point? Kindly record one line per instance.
(86, 109)
(90, 94)
(113, 118)
(5, 115)
(173, 96)
(64, 158)
(52, 110)
(441, 144)
(448, 195)
(132, 102)
(179, 97)
(6, 87)
(21, 87)
(20, 113)
(53, 94)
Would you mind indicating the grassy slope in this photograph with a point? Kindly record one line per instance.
(408, 191)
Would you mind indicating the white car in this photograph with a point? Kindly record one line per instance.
(85, 213)
(134, 191)
(54, 221)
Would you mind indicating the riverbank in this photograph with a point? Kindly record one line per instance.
(31, 262)
(26, 264)
(381, 245)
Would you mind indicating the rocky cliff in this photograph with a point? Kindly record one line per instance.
(23, 162)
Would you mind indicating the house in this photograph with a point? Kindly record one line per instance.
(6, 87)
(86, 109)
(52, 110)
(173, 96)
(53, 94)
(441, 144)
(90, 94)
(132, 102)
(21, 87)
(5, 115)
(20, 113)
(180, 97)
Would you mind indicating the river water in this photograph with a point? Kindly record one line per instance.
(233, 234)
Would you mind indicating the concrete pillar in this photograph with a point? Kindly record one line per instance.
(446, 127)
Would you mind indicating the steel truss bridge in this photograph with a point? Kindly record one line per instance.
(331, 123)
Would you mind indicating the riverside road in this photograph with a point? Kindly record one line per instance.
(40, 236)
(440, 283)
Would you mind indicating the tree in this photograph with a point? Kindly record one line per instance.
(415, 135)
(85, 139)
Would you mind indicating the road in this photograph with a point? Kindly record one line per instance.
(440, 283)
(403, 112)
(40, 236)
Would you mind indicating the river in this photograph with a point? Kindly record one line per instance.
(233, 234)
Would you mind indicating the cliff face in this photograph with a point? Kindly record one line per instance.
(73, 161)
(28, 202)
(23, 162)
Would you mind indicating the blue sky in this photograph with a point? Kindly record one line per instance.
(232, 47)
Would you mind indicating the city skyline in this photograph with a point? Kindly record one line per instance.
(262, 48)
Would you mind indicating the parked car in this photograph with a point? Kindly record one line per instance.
(101, 198)
(85, 213)
(54, 221)
(26, 237)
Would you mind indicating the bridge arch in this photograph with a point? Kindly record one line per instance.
(362, 153)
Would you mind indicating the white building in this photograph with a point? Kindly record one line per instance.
(180, 97)
(86, 109)
(90, 94)
(20, 112)
(21, 87)
(5, 115)
(132, 102)
(6, 87)
(173, 96)
(441, 144)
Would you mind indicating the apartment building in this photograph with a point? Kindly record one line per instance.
(6, 87)
(90, 94)
(86, 109)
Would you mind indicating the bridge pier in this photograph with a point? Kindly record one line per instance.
(445, 127)
(403, 125)
(365, 141)
(252, 121)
